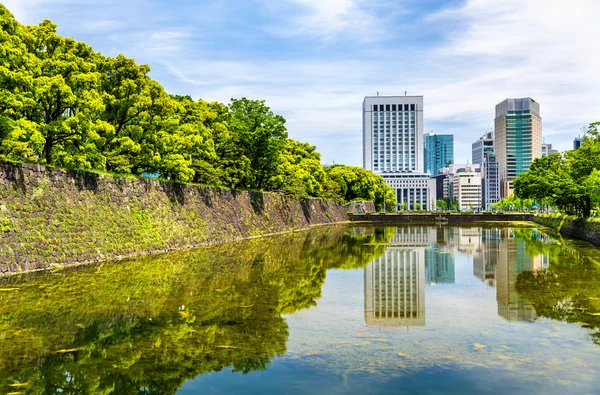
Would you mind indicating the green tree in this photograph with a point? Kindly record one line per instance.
(513, 203)
(261, 135)
(137, 108)
(441, 204)
(300, 172)
(356, 183)
(567, 182)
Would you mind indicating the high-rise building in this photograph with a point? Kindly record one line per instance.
(393, 146)
(548, 150)
(466, 185)
(482, 147)
(491, 182)
(576, 142)
(438, 152)
(518, 139)
(481, 150)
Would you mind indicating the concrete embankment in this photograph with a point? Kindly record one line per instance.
(51, 217)
(574, 228)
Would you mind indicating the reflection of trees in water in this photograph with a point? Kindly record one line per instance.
(569, 290)
(150, 324)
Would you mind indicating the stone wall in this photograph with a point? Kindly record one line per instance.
(577, 229)
(51, 217)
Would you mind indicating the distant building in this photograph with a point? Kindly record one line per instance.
(481, 150)
(450, 171)
(518, 139)
(466, 186)
(491, 182)
(576, 142)
(439, 188)
(548, 150)
(482, 147)
(438, 152)
(393, 146)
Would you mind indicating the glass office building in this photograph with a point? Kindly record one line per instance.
(438, 152)
(482, 147)
(518, 139)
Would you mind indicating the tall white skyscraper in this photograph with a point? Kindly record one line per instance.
(393, 133)
(393, 146)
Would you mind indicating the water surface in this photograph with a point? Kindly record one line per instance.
(339, 310)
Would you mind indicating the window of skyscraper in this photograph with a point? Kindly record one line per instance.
(387, 107)
(381, 107)
(412, 107)
(375, 107)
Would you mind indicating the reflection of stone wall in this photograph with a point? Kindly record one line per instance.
(579, 229)
(52, 216)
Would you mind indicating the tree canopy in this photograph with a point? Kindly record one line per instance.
(63, 104)
(570, 181)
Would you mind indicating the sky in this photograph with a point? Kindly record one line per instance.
(314, 61)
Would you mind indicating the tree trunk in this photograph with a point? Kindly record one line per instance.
(586, 207)
(48, 145)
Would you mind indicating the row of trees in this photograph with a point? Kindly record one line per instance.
(63, 104)
(569, 182)
(513, 203)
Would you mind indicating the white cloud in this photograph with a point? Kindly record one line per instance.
(545, 49)
(327, 20)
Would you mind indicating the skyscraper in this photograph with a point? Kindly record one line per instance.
(393, 146)
(482, 147)
(518, 139)
(438, 152)
(491, 181)
(576, 142)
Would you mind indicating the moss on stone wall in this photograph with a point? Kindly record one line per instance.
(52, 217)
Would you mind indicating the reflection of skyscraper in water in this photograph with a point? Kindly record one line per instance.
(469, 240)
(485, 260)
(513, 259)
(395, 282)
(439, 266)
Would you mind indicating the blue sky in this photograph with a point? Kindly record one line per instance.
(315, 60)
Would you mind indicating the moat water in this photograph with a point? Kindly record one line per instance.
(340, 310)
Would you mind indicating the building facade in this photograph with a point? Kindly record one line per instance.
(491, 182)
(438, 152)
(466, 185)
(518, 139)
(576, 142)
(393, 146)
(482, 147)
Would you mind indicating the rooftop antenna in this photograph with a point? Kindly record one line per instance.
(404, 93)
(377, 93)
